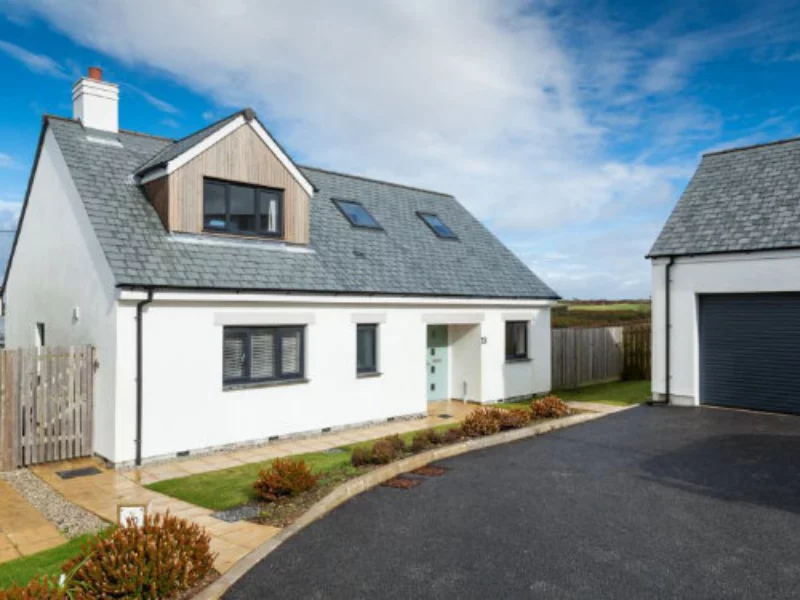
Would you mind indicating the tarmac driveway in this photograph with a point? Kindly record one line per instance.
(647, 503)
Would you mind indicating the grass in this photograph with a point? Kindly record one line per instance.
(617, 393)
(621, 306)
(227, 488)
(48, 562)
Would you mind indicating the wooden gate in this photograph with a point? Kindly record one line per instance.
(45, 404)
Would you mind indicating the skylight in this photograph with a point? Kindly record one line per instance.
(357, 214)
(437, 226)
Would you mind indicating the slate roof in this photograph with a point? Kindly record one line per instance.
(178, 147)
(404, 259)
(738, 200)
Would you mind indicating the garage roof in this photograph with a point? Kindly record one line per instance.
(739, 200)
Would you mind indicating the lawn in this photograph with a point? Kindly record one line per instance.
(227, 488)
(617, 393)
(621, 306)
(49, 562)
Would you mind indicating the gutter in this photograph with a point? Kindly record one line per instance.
(139, 355)
(667, 327)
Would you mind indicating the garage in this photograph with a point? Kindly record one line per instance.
(750, 351)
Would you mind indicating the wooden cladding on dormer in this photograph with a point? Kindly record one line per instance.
(241, 157)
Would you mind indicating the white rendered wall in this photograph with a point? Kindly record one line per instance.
(185, 407)
(58, 266)
(465, 362)
(777, 271)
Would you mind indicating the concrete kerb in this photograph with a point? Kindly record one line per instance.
(354, 487)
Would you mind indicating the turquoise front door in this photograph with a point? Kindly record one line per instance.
(436, 362)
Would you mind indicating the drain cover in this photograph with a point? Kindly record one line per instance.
(445, 416)
(239, 513)
(73, 473)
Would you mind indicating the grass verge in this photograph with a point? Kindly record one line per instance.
(616, 393)
(48, 562)
(227, 488)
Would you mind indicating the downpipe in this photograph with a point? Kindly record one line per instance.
(139, 354)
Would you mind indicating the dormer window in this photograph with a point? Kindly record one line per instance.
(242, 209)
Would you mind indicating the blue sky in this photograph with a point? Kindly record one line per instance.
(569, 128)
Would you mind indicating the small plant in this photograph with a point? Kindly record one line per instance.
(514, 418)
(285, 477)
(45, 588)
(481, 421)
(549, 407)
(361, 456)
(383, 452)
(164, 557)
(451, 436)
(398, 443)
(425, 439)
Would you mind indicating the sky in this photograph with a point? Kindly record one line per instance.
(569, 128)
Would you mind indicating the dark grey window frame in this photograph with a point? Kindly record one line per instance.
(337, 201)
(422, 214)
(511, 326)
(279, 331)
(227, 230)
(374, 328)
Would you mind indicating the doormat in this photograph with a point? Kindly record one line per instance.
(445, 416)
(430, 471)
(402, 483)
(83, 472)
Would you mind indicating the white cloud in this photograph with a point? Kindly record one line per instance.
(9, 214)
(38, 63)
(510, 106)
(7, 161)
(158, 103)
(207, 115)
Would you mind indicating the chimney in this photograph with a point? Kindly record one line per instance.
(96, 102)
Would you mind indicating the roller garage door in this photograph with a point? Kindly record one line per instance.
(750, 351)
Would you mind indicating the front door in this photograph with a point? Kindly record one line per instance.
(436, 362)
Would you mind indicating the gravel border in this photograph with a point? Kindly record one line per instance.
(71, 519)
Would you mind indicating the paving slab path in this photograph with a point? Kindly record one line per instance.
(23, 530)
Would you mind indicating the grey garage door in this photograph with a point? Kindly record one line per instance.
(750, 351)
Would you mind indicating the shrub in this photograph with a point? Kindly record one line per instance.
(398, 443)
(285, 477)
(361, 456)
(383, 452)
(549, 407)
(37, 589)
(451, 436)
(425, 439)
(481, 421)
(160, 559)
(514, 418)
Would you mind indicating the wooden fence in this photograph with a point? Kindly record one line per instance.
(45, 404)
(581, 356)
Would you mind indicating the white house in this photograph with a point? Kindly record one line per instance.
(726, 284)
(234, 297)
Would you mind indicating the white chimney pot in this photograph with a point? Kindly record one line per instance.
(96, 102)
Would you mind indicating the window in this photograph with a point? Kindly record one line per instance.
(357, 214)
(259, 354)
(516, 340)
(437, 225)
(39, 335)
(366, 349)
(242, 209)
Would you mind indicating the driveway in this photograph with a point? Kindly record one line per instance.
(647, 503)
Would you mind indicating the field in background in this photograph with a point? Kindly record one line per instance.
(600, 313)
